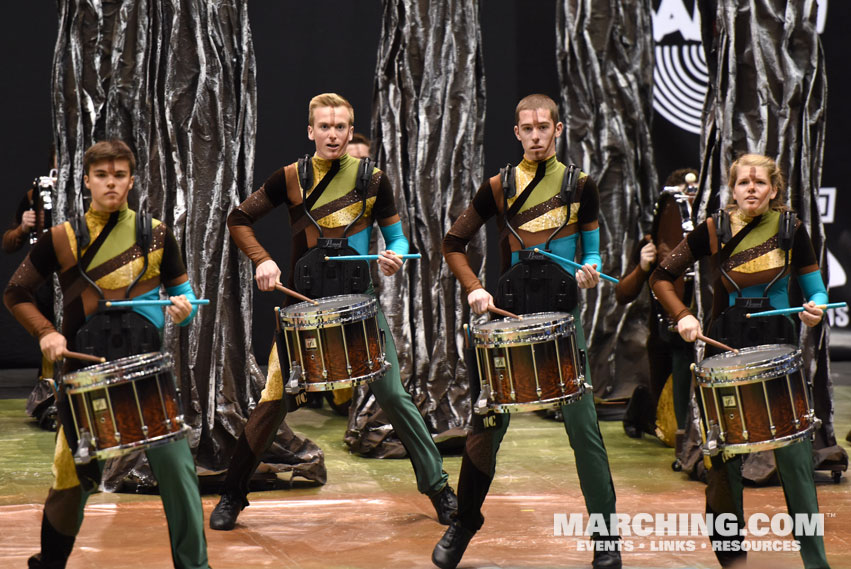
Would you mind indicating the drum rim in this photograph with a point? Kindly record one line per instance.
(759, 446)
(787, 363)
(540, 405)
(332, 385)
(298, 310)
(113, 372)
(136, 446)
(564, 325)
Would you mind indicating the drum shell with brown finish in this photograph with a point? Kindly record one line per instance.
(530, 364)
(126, 405)
(337, 344)
(762, 405)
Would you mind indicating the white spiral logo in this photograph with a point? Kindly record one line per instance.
(680, 82)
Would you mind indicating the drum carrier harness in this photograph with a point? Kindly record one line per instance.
(314, 276)
(111, 332)
(536, 283)
(731, 326)
(115, 332)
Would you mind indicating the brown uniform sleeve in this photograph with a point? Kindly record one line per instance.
(272, 194)
(19, 296)
(589, 204)
(691, 249)
(385, 204)
(462, 231)
(13, 238)
(172, 267)
(803, 255)
(630, 285)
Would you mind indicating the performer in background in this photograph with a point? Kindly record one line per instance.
(326, 191)
(756, 241)
(101, 254)
(32, 218)
(667, 353)
(539, 199)
(359, 147)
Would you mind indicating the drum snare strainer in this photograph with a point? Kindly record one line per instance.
(528, 364)
(755, 400)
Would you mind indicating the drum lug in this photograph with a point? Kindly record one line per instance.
(711, 447)
(85, 448)
(293, 386)
(481, 405)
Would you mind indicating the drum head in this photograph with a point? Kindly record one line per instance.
(534, 321)
(328, 305)
(748, 357)
(531, 328)
(125, 368)
(749, 365)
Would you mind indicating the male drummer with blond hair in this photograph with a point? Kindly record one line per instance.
(539, 204)
(110, 253)
(333, 201)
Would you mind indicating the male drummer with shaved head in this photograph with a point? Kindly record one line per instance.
(332, 201)
(110, 253)
(539, 204)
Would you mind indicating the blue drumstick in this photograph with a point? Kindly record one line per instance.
(573, 264)
(151, 302)
(370, 257)
(794, 310)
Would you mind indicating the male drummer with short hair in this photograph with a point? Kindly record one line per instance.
(101, 256)
(540, 203)
(332, 200)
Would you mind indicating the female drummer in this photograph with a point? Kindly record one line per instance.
(753, 245)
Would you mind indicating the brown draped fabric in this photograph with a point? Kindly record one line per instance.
(605, 64)
(428, 122)
(767, 95)
(176, 81)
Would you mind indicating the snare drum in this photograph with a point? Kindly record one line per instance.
(754, 400)
(335, 344)
(528, 364)
(124, 405)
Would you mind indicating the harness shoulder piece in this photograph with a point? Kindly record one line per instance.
(787, 226)
(722, 227)
(506, 175)
(364, 176)
(569, 182)
(305, 173)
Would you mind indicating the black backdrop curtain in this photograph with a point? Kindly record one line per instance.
(176, 81)
(767, 95)
(428, 124)
(605, 60)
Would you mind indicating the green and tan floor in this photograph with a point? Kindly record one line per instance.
(369, 514)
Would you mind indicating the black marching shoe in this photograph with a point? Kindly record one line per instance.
(445, 504)
(226, 511)
(606, 559)
(450, 549)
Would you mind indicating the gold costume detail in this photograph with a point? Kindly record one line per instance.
(774, 259)
(124, 275)
(64, 470)
(343, 217)
(320, 168)
(274, 390)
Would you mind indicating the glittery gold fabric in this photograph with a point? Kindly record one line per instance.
(274, 390)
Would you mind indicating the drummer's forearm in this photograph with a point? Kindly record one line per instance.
(666, 293)
(459, 264)
(630, 285)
